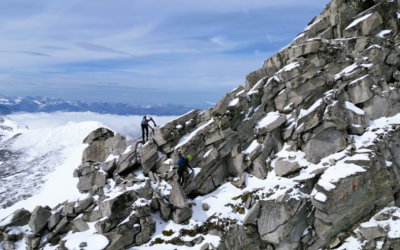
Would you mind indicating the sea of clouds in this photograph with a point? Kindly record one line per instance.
(125, 125)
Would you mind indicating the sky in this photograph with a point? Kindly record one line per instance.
(141, 52)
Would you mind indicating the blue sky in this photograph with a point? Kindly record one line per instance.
(142, 52)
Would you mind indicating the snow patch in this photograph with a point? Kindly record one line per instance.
(357, 21)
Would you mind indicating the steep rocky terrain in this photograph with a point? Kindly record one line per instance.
(304, 156)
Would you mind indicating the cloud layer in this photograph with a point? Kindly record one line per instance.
(125, 125)
(186, 52)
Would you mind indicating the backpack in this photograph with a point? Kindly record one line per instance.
(143, 121)
(180, 161)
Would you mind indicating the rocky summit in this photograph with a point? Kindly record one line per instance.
(305, 156)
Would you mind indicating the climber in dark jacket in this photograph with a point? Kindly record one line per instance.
(145, 126)
(183, 164)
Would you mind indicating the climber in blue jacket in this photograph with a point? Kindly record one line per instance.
(145, 126)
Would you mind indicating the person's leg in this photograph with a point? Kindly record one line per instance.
(180, 177)
(147, 132)
(143, 133)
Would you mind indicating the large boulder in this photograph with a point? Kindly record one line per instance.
(221, 107)
(128, 161)
(360, 89)
(324, 143)
(39, 219)
(20, 217)
(176, 128)
(116, 210)
(284, 167)
(177, 197)
(180, 215)
(148, 156)
(92, 180)
(100, 134)
(283, 223)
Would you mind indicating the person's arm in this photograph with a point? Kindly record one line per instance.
(153, 122)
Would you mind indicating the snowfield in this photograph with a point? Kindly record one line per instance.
(38, 164)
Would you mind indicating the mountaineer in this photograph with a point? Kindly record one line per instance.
(183, 164)
(145, 126)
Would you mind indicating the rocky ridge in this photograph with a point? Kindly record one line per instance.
(312, 140)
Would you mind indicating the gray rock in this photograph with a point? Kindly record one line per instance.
(83, 204)
(238, 238)
(116, 209)
(368, 27)
(206, 187)
(360, 90)
(92, 216)
(146, 191)
(326, 142)
(60, 226)
(69, 208)
(79, 225)
(122, 236)
(168, 132)
(283, 223)
(142, 211)
(53, 220)
(178, 197)
(20, 217)
(205, 246)
(240, 181)
(180, 215)
(148, 228)
(218, 175)
(128, 162)
(377, 106)
(95, 152)
(109, 166)
(206, 207)
(396, 75)
(252, 214)
(39, 219)
(115, 145)
(100, 134)
(284, 167)
(8, 245)
(371, 233)
(221, 107)
(260, 129)
(9, 235)
(32, 240)
(96, 179)
(165, 209)
(148, 156)
(235, 165)
(304, 49)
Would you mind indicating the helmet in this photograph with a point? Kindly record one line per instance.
(148, 117)
(190, 157)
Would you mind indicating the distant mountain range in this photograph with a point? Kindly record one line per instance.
(30, 104)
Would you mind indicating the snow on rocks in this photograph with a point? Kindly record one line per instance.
(357, 21)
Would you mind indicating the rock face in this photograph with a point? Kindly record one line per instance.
(314, 133)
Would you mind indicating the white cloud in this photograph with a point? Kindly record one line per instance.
(126, 125)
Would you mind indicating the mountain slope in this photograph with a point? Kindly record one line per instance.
(28, 158)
